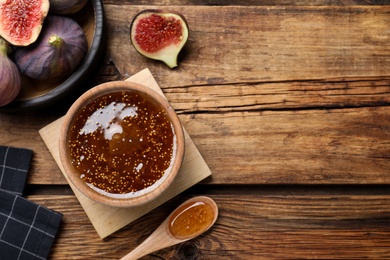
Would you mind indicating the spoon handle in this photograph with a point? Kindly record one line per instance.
(203, 218)
(140, 251)
(159, 239)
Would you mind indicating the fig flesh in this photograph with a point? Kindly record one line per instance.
(10, 78)
(65, 7)
(159, 35)
(21, 20)
(60, 48)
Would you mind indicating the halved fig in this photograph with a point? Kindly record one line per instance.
(159, 35)
(21, 20)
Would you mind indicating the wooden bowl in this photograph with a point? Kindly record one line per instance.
(38, 94)
(102, 162)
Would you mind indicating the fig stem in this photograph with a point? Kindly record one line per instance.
(55, 41)
(3, 47)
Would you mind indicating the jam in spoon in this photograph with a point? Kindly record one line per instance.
(189, 220)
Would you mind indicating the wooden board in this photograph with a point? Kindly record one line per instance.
(260, 224)
(107, 220)
(250, 44)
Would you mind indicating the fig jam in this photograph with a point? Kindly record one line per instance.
(122, 143)
(191, 219)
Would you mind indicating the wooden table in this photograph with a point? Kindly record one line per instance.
(290, 108)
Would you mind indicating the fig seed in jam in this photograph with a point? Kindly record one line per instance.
(121, 143)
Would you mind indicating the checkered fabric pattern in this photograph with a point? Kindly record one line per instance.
(27, 230)
(14, 166)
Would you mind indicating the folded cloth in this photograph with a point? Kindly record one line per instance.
(14, 166)
(27, 230)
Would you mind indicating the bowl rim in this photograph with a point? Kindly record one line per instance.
(80, 75)
(69, 170)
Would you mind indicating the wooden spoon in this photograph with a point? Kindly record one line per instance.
(189, 220)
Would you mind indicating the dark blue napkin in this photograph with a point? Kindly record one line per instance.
(27, 230)
(14, 166)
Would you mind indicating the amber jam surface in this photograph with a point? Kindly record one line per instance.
(122, 143)
(191, 219)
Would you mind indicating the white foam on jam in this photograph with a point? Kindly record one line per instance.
(139, 167)
(104, 119)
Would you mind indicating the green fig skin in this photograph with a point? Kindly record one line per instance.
(60, 48)
(10, 78)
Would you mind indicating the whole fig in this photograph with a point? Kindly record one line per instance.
(60, 48)
(10, 78)
(64, 7)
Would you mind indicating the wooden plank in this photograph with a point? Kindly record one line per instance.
(271, 226)
(339, 146)
(334, 93)
(342, 159)
(250, 2)
(263, 44)
(21, 130)
(336, 146)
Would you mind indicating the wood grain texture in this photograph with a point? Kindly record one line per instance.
(21, 130)
(251, 2)
(349, 146)
(288, 103)
(263, 44)
(298, 147)
(249, 227)
(287, 95)
(212, 79)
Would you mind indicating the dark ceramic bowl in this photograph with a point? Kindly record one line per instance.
(42, 94)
